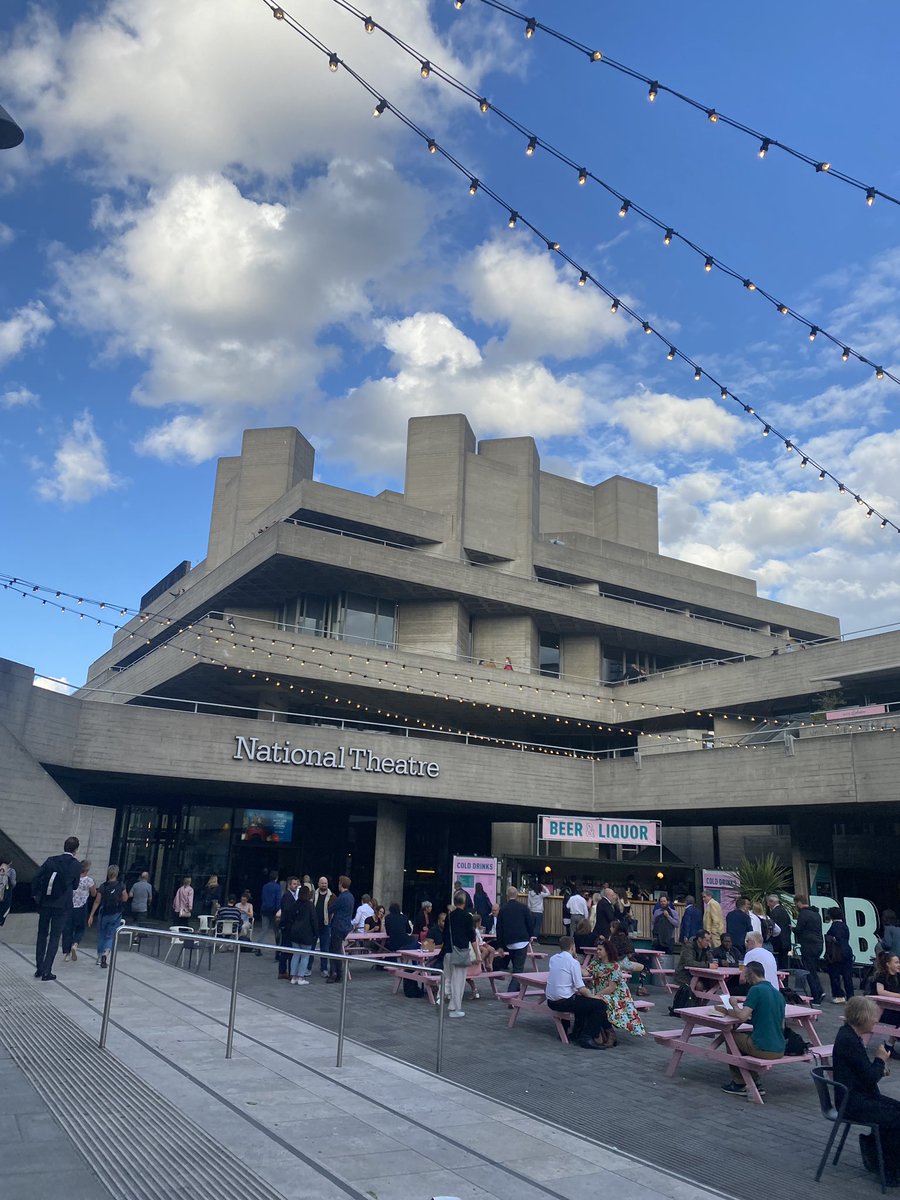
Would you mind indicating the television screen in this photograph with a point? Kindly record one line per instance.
(267, 825)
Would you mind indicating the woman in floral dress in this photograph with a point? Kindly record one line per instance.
(604, 971)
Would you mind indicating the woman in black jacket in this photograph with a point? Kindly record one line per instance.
(459, 936)
(839, 957)
(304, 930)
(860, 1074)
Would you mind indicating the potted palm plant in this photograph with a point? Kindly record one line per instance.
(765, 876)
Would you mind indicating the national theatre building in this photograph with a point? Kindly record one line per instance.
(372, 684)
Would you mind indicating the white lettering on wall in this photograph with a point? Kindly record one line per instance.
(357, 758)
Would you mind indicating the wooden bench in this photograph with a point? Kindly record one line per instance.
(430, 982)
(666, 979)
(822, 1054)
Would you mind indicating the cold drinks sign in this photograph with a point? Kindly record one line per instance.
(620, 830)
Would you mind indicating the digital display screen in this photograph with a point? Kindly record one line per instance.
(267, 825)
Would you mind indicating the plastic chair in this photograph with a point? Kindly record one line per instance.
(187, 944)
(833, 1098)
(229, 928)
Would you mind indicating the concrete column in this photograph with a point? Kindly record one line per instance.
(390, 852)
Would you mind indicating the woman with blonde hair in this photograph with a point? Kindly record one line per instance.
(861, 1075)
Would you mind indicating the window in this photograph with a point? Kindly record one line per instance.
(549, 654)
(303, 614)
(367, 619)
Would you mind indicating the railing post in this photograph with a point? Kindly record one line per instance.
(440, 1044)
(110, 980)
(229, 1042)
(345, 975)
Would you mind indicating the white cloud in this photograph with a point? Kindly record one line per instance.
(662, 421)
(152, 88)
(60, 685)
(541, 309)
(80, 469)
(228, 299)
(25, 329)
(18, 398)
(6, 235)
(439, 369)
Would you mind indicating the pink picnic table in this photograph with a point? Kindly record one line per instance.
(886, 1004)
(695, 1039)
(365, 942)
(710, 982)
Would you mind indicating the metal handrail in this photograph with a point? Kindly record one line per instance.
(238, 944)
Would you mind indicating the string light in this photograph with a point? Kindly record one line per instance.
(369, 24)
(653, 91)
(531, 147)
(698, 374)
(333, 62)
(845, 354)
(513, 217)
(671, 353)
(473, 187)
(379, 108)
(765, 143)
(582, 279)
(614, 307)
(532, 143)
(583, 174)
(425, 68)
(530, 26)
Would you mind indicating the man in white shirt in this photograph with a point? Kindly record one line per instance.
(577, 908)
(365, 910)
(566, 992)
(755, 952)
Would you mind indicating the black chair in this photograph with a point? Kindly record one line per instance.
(833, 1098)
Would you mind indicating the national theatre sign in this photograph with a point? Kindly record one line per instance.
(354, 758)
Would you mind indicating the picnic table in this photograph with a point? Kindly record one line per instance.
(709, 1034)
(653, 959)
(709, 982)
(886, 1003)
(365, 942)
(532, 997)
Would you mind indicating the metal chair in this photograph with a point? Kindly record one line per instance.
(229, 928)
(833, 1098)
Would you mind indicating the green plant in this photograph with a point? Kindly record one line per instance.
(762, 877)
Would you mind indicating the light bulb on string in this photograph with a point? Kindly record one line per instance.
(712, 116)
(596, 56)
(582, 175)
(484, 105)
(821, 475)
(647, 327)
(379, 108)
(698, 374)
(764, 147)
(879, 372)
(783, 309)
(708, 264)
(671, 353)
(813, 330)
(513, 217)
(473, 187)
(845, 354)
(530, 26)
(626, 205)
(724, 393)
(531, 147)
(749, 285)
(823, 166)
(333, 62)
(653, 91)
(582, 279)
(425, 68)
(667, 237)
(369, 25)
(766, 429)
(804, 461)
(870, 196)
(278, 14)
(432, 146)
(553, 245)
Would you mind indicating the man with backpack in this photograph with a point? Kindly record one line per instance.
(110, 900)
(51, 889)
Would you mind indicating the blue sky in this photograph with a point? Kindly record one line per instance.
(206, 230)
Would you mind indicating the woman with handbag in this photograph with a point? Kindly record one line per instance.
(183, 904)
(458, 952)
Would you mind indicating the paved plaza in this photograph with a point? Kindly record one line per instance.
(515, 1115)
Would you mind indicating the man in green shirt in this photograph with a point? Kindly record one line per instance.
(764, 1009)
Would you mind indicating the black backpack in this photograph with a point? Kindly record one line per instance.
(794, 1044)
(111, 896)
(412, 989)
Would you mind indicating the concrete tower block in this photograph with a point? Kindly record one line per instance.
(501, 518)
(627, 512)
(436, 456)
(272, 462)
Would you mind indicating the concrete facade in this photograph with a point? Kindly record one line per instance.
(379, 626)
